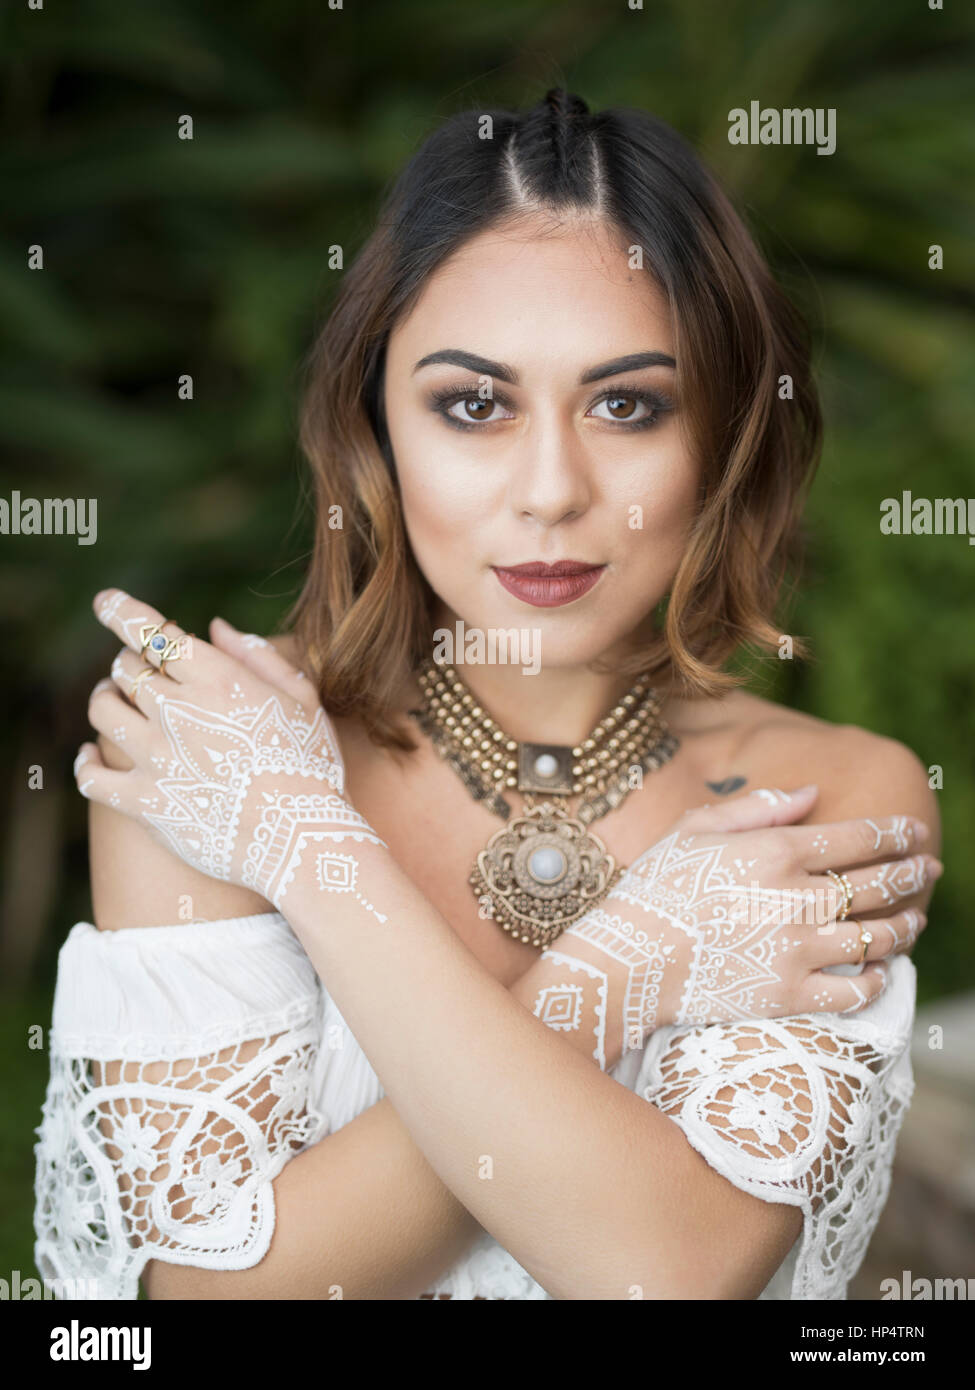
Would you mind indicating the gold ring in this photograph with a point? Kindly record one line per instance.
(152, 635)
(865, 939)
(146, 671)
(172, 652)
(848, 890)
(843, 882)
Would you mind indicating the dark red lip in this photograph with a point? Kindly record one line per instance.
(549, 586)
(552, 571)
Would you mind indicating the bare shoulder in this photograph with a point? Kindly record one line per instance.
(858, 772)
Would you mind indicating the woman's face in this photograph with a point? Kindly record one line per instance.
(536, 443)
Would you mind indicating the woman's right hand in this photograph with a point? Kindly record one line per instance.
(731, 914)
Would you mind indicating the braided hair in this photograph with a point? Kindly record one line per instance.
(552, 154)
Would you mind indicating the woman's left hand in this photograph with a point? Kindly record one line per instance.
(236, 765)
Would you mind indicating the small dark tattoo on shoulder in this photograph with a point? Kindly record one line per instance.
(730, 784)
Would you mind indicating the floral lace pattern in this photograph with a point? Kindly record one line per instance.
(161, 1141)
(803, 1111)
(168, 1158)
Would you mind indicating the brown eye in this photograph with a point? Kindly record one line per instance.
(477, 409)
(467, 411)
(621, 407)
(632, 409)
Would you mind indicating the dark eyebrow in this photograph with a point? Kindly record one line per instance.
(633, 362)
(481, 365)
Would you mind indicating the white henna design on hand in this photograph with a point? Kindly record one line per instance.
(719, 943)
(237, 810)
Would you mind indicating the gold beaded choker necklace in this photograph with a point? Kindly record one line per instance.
(544, 869)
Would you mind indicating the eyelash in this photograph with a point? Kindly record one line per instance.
(446, 396)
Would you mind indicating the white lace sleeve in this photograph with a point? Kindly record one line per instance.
(803, 1111)
(179, 1088)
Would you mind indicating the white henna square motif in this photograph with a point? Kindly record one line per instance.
(560, 1007)
(562, 1013)
(336, 872)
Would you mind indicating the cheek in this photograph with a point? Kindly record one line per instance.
(443, 500)
(440, 511)
(659, 500)
(443, 504)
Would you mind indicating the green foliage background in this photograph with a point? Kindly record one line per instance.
(209, 257)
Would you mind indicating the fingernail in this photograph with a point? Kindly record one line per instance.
(773, 795)
(921, 831)
(222, 622)
(809, 787)
(937, 869)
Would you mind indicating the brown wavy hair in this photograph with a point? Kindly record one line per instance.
(364, 617)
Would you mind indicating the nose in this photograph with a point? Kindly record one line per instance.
(550, 480)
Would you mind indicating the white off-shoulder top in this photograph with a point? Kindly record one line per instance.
(190, 1063)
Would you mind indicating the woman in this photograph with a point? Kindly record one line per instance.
(515, 976)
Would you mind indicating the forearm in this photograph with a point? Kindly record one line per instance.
(547, 1152)
(362, 1214)
(359, 1215)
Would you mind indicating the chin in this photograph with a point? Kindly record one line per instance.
(547, 638)
(575, 652)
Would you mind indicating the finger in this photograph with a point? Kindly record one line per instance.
(842, 994)
(154, 637)
(145, 687)
(861, 841)
(841, 943)
(142, 685)
(878, 888)
(263, 659)
(763, 807)
(94, 780)
(114, 717)
(892, 936)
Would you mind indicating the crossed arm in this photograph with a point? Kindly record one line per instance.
(630, 1203)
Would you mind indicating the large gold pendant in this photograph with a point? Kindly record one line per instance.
(542, 872)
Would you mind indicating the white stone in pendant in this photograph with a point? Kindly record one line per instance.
(545, 765)
(547, 865)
